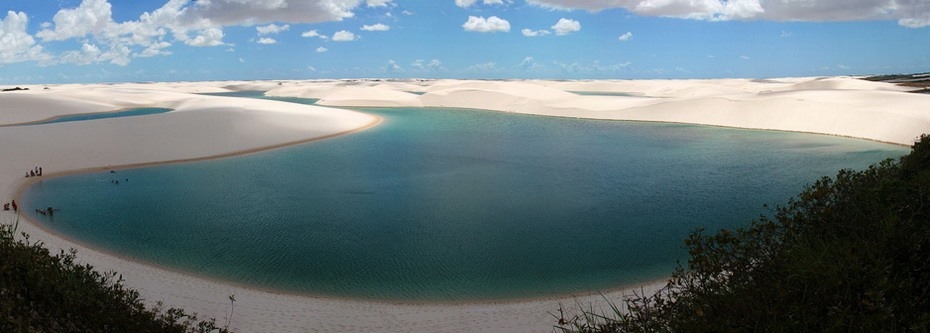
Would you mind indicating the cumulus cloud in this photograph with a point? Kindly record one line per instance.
(376, 27)
(313, 34)
(189, 22)
(16, 44)
(239, 12)
(344, 36)
(534, 33)
(430, 66)
(594, 67)
(194, 23)
(206, 37)
(530, 64)
(469, 3)
(155, 49)
(491, 24)
(626, 37)
(91, 16)
(321, 49)
(566, 26)
(86, 55)
(272, 29)
(378, 3)
(909, 13)
(392, 66)
(483, 67)
(465, 3)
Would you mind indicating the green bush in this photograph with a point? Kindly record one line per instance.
(850, 254)
(40, 292)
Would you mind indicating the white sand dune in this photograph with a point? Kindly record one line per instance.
(379, 96)
(209, 127)
(841, 106)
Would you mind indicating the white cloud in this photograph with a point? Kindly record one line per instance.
(156, 49)
(88, 54)
(378, 3)
(594, 67)
(407, 12)
(241, 12)
(566, 26)
(534, 33)
(909, 13)
(744, 57)
(376, 27)
(491, 24)
(193, 23)
(530, 64)
(118, 55)
(321, 49)
(465, 3)
(344, 36)
(469, 3)
(118, 43)
(392, 66)
(432, 65)
(272, 29)
(483, 67)
(313, 34)
(92, 16)
(626, 37)
(266, 40)
(16, 44)
(207, 37)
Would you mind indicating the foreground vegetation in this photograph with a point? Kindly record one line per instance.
(41, 292)
(851, 253)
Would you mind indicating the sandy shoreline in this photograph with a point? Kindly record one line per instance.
(208, 127)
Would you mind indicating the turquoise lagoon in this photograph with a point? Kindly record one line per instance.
(450, 204)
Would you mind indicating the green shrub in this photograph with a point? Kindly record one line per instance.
(850, 254)
(41, 292)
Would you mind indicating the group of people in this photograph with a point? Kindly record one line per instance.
(37, 172)
(48, 211)
(12, 205)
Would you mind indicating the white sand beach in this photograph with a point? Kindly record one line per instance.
(203, 127)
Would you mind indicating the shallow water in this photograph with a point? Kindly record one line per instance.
(104, 115)
(605, 93)
(448, 204)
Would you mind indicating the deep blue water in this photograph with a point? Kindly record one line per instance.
(449, 204)
(105, 115)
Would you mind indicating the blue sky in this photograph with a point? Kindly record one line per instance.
(61, 41)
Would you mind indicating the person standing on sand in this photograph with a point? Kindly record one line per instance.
(15, 207)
